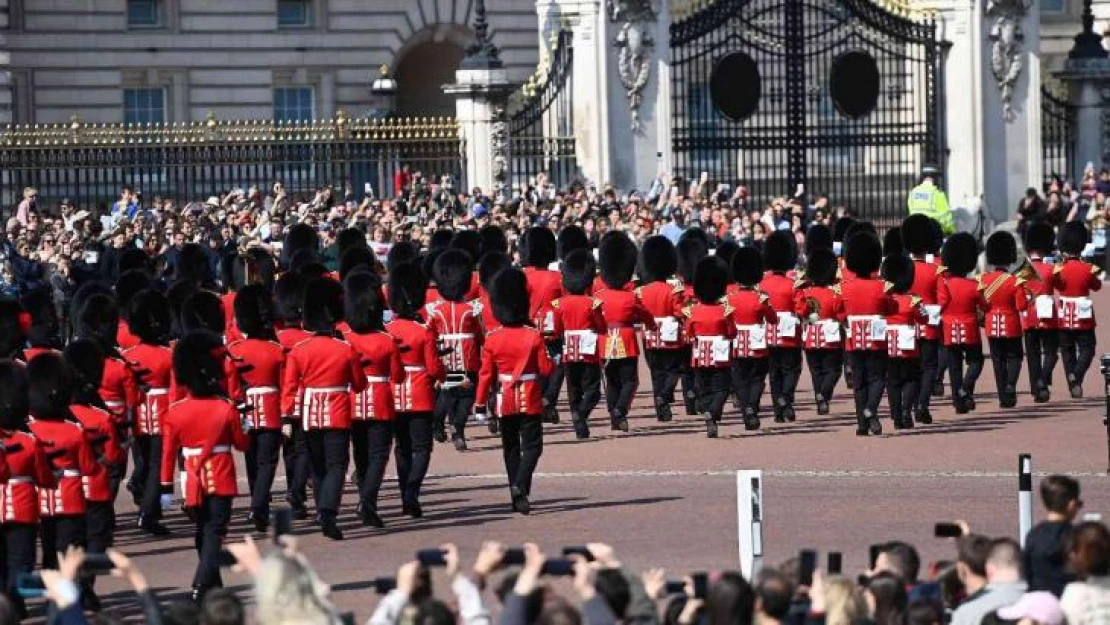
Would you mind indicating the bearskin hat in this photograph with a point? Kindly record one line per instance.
(658, 259)
(578, 269)
(858, 227)
(85, 358)
(289, 298)
(780, 251)
(402, 252)
(441, 239)
(726, 250)
(898, 270)
(428, 263)
(454, 273)
(1040, 237)
(917, 234)
(490, 265)
(193, 265)
(150, 317)
(821, 267)
(356, 258)
(98, 319)
(690, 251)
(176, 294)
(85, 291)
(818, 237)
(254, 312)
(13, 395)
(363, 305)
(1073, 238)
(863, 253)
(892, 242)
(349, 238)
(14, 325)
(695, 233)
(537, 247)
(198, 363)
(307, 263)
(960, 254)
(128, 284)
(841, 227)
(711, 278)
(747, 266)
(616, 258)
(509, 297)
(408, 288)
(1001, 249)
(493, 240)
(571, 238)
(468, 241)
(323, 305)
(257, 266)
(51, 386)
(133, 259)
(45, 330)
(298, 237)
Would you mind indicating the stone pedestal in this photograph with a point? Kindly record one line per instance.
(481, 96)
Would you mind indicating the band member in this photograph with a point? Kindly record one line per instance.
(537, 252)
(780, 256)
(840, 230)
(44, 336)
(256, 386)
(15, 323)
(1042, 338)
(470, 241)
(903, 381)
(710, 330)
(151, 361)
(863, 305)
(690, 249)
(1074, 279)
(664, 298)
(323, 371)
(457, 321)
(815, 304)
(1006, 300)
(622, 310)
(204, 427)
(918, 241)
(128, 285)
(289, 309)
(375, 413)
(251, 267)
(579, 321)
(569, 239)
(415, 398)
(961, 303)
(751, 312)
(514, 355)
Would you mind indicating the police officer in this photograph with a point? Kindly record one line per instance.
(928, 199)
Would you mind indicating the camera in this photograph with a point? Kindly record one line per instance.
(1104, 364)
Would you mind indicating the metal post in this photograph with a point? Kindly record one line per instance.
(749, 512)
(1025, 496)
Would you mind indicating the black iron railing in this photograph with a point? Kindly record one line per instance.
(541, 120)
(1058, 134)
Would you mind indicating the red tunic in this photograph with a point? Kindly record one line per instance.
(119, 389)
(960, 303)
(926, 274)
(458, 325)
(1006, 300)
(664, 301)
(71, 459)
(417, 344)
(124, 338)
(544, 287)
(154, 366)
(256, 380)
(1074, 280)
(31, 353)
(579, 321)
(515, 358)
(475, 287)
(622, 310)
(786, 331)
(902, 326)
(863, 304)
(204, 430)
(1040, 314)
(489, 322)
(26, 470)
(382, 366)
(750, 313)
(104, 442)
(320, 374)
(599, 284)
(289, 337)
(816, 306)
(710, 330)
(231, 329)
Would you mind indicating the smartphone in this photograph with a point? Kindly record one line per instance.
(226, 559)
(431, 557)
(513, 557)
(1092, 517)
(675, 587)
(97, 564)
(558, 568)
(701, 585)
(836, 565)
(383, 585)
(947, 530)
(347, 618)
(807, 562)
(873, 554)
(578, 551)
(282, 519)
(30, 586)
(368, 189)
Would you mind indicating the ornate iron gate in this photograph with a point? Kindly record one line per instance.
(841, 96)
(1058, 134)
(541, 120)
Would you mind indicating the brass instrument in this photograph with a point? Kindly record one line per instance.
(1027, 271)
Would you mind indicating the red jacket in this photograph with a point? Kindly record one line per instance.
(960, 303)
(1074, 280)
(710, 331)
(382, 366)
(124, 338)
(544, 286)
(599, 284)
(902, 323)
(256, 380)
(664, 301)
(516, 358)
(71, 458)
(579, 321)
(204, 430)
(622, 310)
(750, 313)
(231, 329)
(786, 331)
(119, 390)
(816, 306)
(154, 366)
(489, 322)
(320, 375)
(418, 346)
(103, 439)
(926, 275)
(26, 471)
(1040, 314)
(289, 337)
(1006, 300)
(458, 325)
(30, 353)
(863, 304)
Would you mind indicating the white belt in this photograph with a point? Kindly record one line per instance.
(114, 404)
(262, 390)
(527, 377)
(157, 392)
(1073, 300)
(377, 379)
(456, 336)
(68, 473)
(192, 452)
(710, 339)
(414, 368)
(659, 320)
(900, 328)
(748, 328)
(578, 332)
(21, 479)
(857, 318)
(319, 390)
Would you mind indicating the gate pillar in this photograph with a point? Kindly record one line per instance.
(1087, 73)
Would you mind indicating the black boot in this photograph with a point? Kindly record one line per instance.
(581, 427)
(788, 414)
(550, 415)
(1075, 387)
(861, 424)
(969, 400)
(896, 419)
(412, 508)
(691, 401)
(259, 520)
(520, 501)
(751, 421)
(663, 410)
(330, 529)
(494, 425)
(710, 427)
(369, 516)
(959, 402)
(1007, 399)
(152, 527)
(873, 425)
(923, 416)
(822, 405)
(778, 412)
(439, 432)
(1042, 394)
(460, 443)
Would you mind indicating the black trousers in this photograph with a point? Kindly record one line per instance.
(553, 383)
(19, 557)
(146, 451)
(1042, 350)
(454, 405)
(413, 452)
(904, 378)
(328, 456)
(295, 456)
(689, 383)
(824, 369)
(930, 370)
(262, 460)
(622, 377)
(374, 440)
(713, 387)
(1006, 357)
(58, 533)
(749, 376)
(100, 525)
(868, 379)
(1077, 350)
(956, 356)
(666, 367)
(784, 369)
(522, 446)
(212, 518)
(583, 388)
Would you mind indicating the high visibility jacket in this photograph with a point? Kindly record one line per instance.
(926, 198)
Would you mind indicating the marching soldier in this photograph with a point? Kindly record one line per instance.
(289, 311)
(862, 305)
(903, 355)
(780, 256)
(961, 303)
(710, 332)
(751, 311)
(1005, 296)
(514, 355)
(489, 266)
(128, 285)
(254, 266)
(919, 242)
(815, 304)
(44, 336)
(457, 321)
(579, 321)
(537, 253)
(690, 249)
(1042, 338)
(664, 298)
(1074, 279)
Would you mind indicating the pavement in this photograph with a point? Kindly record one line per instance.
(665, 495)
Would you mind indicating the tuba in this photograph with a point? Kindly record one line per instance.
(1027, 271)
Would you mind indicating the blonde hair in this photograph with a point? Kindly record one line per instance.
(289, 592)
(843, 602)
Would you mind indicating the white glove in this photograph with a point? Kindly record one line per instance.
(287, 430)
(246, 425)
(166, 501)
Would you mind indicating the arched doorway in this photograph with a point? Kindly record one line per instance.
(426, 63)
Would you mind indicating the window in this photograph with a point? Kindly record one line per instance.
(143, 13)
(1054, 6)
(144, 106)
(293, 13)
(294, 104)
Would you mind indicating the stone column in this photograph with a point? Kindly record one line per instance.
(959, 25)
(1087, 73)
(480, 107)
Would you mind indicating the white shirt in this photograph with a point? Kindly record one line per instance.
(1087, 603)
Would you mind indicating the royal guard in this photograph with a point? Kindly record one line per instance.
(690, 249)
(489, 266)
(726, 250)
(322, 372)
(961, 304)
(289, 310)
(537, 253)
(569, 239)
(128, 285)
(818, 237)
(151, 361)
(45, 334)
(297, 237)
(710, 332)
(515, 358)
(204, 428)
(1042, 337)
(622, 310)
(427, 265)
(815, 305)
(457, 321)
(750, 313)
(1074, 279)
(493, 239)
(664, 298)
(375, 412)
(415, 398)
(470, 241)
(862, 306)
(1006, 300)
(918, 241)
(903, 380)
(15, 323)
(253, 266)
(780, 256)
(579, 321)
(255, 386)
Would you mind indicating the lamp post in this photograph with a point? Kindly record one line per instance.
(481, 53)
(384, 90)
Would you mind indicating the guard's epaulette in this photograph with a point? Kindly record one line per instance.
(888, 286)
(979, 282)
(728, 307)
(596, 303)
(688, 310)
(639, 291)
(836, 289)
(1058, 268)
(677, 285)
(839, 274)
(555, 303)
(915, 301)
(1095, 269)
(941, 269)
(764, 298)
